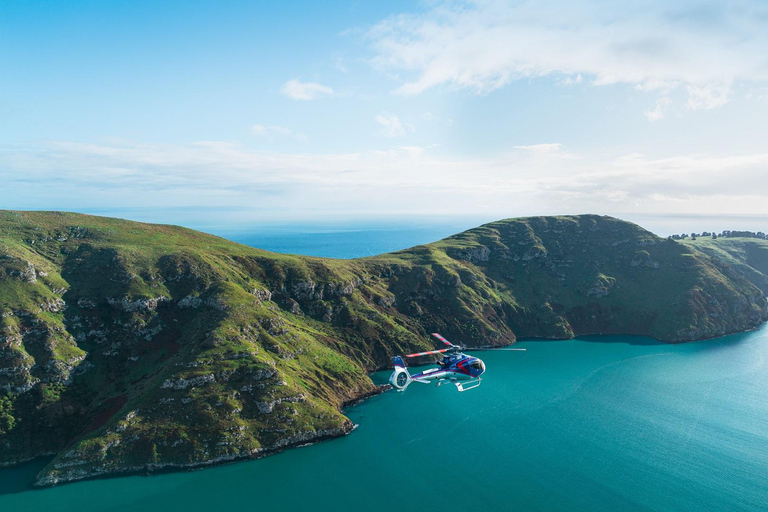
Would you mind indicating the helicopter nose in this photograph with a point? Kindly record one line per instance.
(479, 367)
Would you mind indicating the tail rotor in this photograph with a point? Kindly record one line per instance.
(400, 378)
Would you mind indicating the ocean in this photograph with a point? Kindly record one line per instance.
(345, 240)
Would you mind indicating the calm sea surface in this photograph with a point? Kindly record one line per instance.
(597, 423)
(345, 240)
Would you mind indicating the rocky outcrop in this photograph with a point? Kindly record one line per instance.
(268, 407)
(308, 290)
(477, 254)
(140, 304)
(193, 382)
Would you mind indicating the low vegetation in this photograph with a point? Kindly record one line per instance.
(131, 347)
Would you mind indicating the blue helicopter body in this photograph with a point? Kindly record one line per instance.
(456, 368)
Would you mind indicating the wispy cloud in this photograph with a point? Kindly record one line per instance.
(542, 149)
(275, 130)
(482, 45)
(340, 64)
(305, 91)
(708, 96)
(391, 126)
(573, 80)
(662, 105)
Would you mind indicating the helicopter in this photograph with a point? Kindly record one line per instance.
(456, 368)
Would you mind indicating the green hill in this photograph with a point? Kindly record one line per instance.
(131, 347)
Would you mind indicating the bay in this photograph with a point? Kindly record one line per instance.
(595, 423)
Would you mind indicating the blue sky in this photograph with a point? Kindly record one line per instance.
(247, 112)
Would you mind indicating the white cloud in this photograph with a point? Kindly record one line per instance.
(662, 105)
(391, 125)
(274, 130)
(482, 45)
(395, 180)
(708, 96)
(340, 64)
(542, 149)
(297, 90)
(573, 80)
(759, 94)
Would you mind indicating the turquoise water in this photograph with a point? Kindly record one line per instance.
(596, 423)
(345, 240)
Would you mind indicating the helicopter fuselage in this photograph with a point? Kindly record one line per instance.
(457, 368)
(454, 367)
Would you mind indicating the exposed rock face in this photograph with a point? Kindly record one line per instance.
(601, 286)
(141, 304)
(309, 290)
(129, 347)
(56, 305)
(268, 407)
(305, 290)
(190, 302)
(262, 295)
(472, 254)
(194, 382)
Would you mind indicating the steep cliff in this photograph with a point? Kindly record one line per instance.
(128, 347)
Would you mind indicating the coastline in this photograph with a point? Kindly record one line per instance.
(300, 440)
(297, 441)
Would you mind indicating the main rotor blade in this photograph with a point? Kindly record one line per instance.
(427, 353)
(469, 349)
(436, 335)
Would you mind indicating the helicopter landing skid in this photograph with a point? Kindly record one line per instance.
(467, 385)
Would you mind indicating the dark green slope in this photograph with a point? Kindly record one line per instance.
(556, 277)
(128, 346)
(748, 256)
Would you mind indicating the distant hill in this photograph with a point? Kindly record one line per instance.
(130, 347)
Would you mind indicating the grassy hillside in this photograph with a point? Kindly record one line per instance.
(128, 346)
(748, 256)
